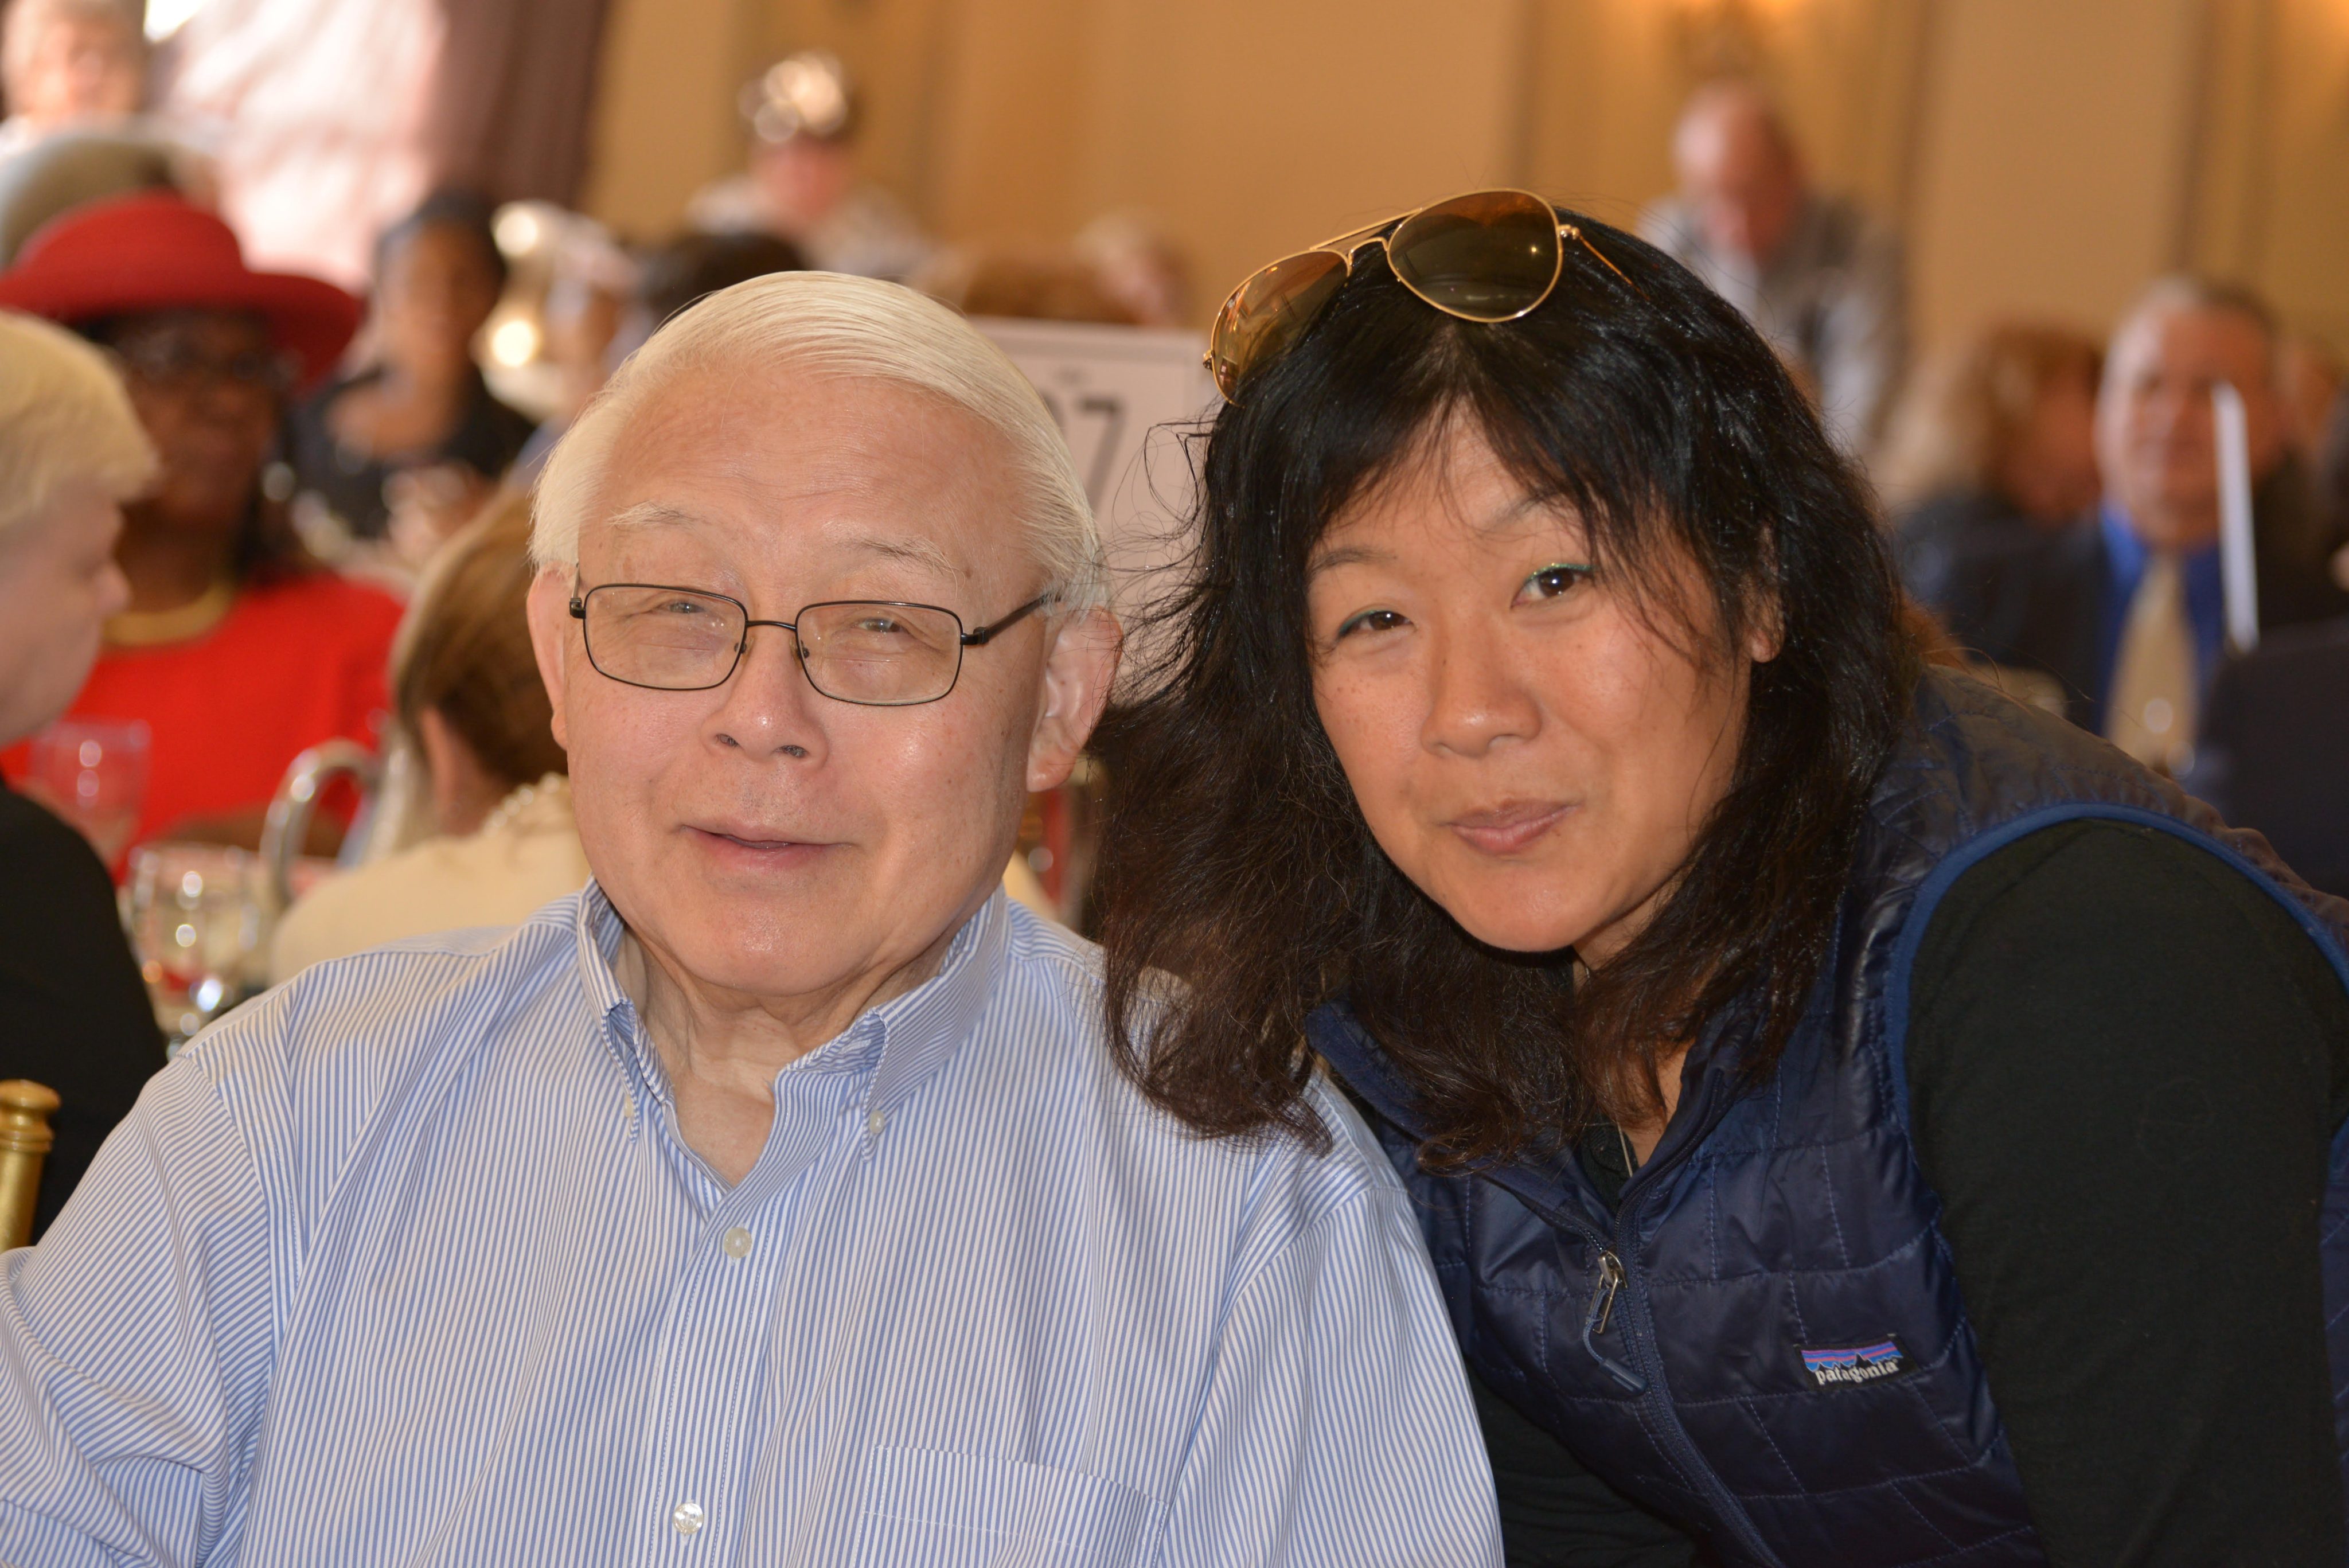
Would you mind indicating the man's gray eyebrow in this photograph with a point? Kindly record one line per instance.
(650, 514)
(912, 550)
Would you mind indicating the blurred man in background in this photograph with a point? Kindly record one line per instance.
(1816, 276)
(69, 63)
(2129, 614)
(802, 183)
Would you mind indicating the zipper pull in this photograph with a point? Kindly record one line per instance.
(1595, 1321)
(1610, 1280)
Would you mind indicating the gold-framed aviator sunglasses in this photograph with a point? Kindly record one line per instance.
(1489, 256)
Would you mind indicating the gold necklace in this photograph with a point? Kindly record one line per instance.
(148, 629)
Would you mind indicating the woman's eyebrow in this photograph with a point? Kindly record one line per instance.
(1513, 517)
(1347, 555)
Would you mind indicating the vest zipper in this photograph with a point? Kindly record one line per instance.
(1645, 1380)
(1594, 1321)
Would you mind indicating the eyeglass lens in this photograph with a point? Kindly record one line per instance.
(1491, 256)
(169, 363)
(1270, 309)
(878, 655)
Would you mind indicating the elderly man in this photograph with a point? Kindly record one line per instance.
(2127, 610)
(1813, 272)
(775, 1199)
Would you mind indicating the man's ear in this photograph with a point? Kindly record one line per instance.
(549, 636)
(1079, 668)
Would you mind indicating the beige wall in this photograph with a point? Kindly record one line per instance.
(2041, 157)
(2052, 170)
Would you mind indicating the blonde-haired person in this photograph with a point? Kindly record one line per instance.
(78, 1016)
(469, 709)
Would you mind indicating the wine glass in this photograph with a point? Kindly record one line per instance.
(93, 774)
(196, 924)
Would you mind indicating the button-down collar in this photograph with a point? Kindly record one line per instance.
(897, 1045)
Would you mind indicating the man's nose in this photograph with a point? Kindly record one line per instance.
(1476, 698)
(768, 708)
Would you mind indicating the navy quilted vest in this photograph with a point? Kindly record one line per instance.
(1767, 1342)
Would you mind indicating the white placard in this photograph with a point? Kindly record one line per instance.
(1124, 397)
(2238, 567)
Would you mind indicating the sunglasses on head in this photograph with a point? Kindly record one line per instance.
(1489, 256)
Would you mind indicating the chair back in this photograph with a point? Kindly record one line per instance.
(2275, 752)
(287, 827)
(25, 1108)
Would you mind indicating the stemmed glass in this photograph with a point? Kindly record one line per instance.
(196, 924)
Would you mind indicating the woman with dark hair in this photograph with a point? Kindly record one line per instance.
(237, 650)
(1855, 1119)
(420, 404)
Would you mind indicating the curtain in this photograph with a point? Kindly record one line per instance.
(315, 111)
(516, 85)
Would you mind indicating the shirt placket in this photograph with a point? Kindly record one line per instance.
(703, 1436)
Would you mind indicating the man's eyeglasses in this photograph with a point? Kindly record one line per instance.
(877, 653)
(1489, 256)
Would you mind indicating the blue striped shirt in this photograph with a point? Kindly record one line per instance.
(406, 1263)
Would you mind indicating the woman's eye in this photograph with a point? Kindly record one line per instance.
(1368, 621)
(1552, 581)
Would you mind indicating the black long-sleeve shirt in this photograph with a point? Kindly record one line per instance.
(2125, 1064)
(73, 1014)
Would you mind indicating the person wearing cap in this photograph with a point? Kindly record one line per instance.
(236, 649)
(801, 184)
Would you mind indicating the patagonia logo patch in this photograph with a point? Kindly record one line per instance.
(1857, 1364)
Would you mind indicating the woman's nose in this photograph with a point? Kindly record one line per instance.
(1476, 697)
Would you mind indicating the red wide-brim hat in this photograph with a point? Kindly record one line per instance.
(154, 250)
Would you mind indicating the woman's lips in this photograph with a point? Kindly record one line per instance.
(1507, 829)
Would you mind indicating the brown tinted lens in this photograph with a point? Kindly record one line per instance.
(1266, 313)
(1490, 256)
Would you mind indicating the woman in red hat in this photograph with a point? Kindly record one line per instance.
(237, 650)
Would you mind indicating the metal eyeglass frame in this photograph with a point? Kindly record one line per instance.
(977, 636)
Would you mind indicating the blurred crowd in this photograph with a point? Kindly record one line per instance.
(324, 536)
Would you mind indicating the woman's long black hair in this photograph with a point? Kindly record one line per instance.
(1235, 858)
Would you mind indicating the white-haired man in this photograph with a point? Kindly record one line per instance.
(775, 1199)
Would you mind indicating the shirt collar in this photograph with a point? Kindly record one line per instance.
(898, 1044)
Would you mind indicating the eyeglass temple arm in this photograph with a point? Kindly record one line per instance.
(1574, 232)
(977, 636)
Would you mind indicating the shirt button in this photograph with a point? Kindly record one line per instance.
(688, 1518)
(737, 1243)
(874, 1122)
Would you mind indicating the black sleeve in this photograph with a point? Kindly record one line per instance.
(1555, 1513)
(2126, 1062)
(73, 1014)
